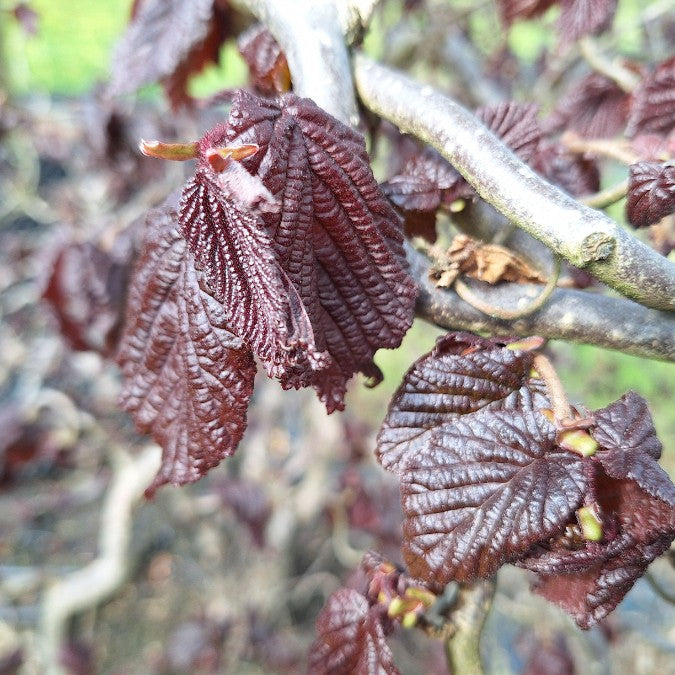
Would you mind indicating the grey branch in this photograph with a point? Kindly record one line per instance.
(577, 316)
(585, 237)
(311, 35)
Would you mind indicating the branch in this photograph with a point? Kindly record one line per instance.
(311, 35)
(587, 238)
(577, 316)
(92, 584)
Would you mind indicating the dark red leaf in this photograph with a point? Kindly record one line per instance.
(428, 180)
(653, 104)
(482, 492)
(576, 174)
(351, 638)
(510, 10)
(651, 193)
(188, 380)
(167, 40)
(595, 107)
(629, 446)
(590, 582)
(86, 290)
(462, 374)
(336, 241)
(584, 17)
(516, 124)
(267, 64)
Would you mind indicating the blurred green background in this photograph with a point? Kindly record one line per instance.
(71, 53)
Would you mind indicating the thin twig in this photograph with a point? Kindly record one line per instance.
(556, 391)
(607, 197)
(463, 648)
(600, 147)
(659, 589)
(613, 70)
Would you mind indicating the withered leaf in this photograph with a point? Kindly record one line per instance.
(651, 192)
(335, 240)
(167, 40)
(653, 104)
(486, 262)
(187, 378)
(462, 374)
(584, 17)
(483, 491)
(267, 64)
(511, 10)
(351, 638)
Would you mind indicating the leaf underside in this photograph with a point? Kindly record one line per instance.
(350, 639)
(188, 379)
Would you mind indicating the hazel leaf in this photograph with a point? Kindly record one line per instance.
(653, 105)
(351, 638)
(483, 492)
(187, 378)
(651, 193)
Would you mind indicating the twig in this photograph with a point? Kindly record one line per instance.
(556, 391)
(663, 593)
(572, 315)
(611, 149)
(474, 300)
(607, 197)
(585, 237)
(92, 584)
(463, 648)
(626, 79)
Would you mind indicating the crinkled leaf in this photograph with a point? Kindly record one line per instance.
(629, 446)
(584, 17)
(653, 104)
(336, 239)
(595, 107)
(590, 582)
(574, 173)
(267, 64)
(510, 10)
(462, 374)
(351, 638)
(482, 492)
(166, 40)
(651, 193)
(187, 379)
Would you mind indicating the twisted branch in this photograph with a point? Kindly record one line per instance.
(585, 237)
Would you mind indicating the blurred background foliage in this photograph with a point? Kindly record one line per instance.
(70, 53)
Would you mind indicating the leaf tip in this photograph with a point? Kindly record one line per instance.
(177, 152)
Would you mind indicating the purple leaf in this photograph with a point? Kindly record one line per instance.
(584, 17)
(351, 638)
(516, 124)
(267, 64)
(482, 492)
(651, 193)
(167, 40)
(462, 374)
(187, 379)
(576, 174)
(629, 446)
(511, 10)
(335, 241)
(653, 104)
(595, 107)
